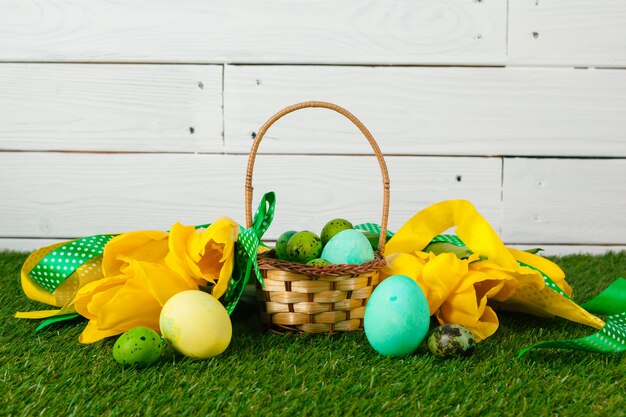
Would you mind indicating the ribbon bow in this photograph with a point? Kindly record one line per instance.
(247, 247)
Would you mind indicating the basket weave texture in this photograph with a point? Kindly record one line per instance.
(317, 299)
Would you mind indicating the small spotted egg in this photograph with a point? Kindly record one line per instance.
(304, 246)
(318, 262)
(138, 347)
(451, 340)
(281, 245)
(332, 228)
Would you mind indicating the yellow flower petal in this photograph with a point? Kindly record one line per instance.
(131, 306)
(465, 309)
(442, 275)
(90, 299)
(92, 333)
(183, 244)
(147, 246)
(403, 264)
(161, 282)
(546, 266)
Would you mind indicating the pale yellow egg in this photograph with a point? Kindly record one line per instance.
(195, 324)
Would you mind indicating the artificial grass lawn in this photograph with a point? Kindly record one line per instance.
(264, 373)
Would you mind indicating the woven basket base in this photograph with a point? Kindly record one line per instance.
(295, 302)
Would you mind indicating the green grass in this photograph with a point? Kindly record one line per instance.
(51, 374)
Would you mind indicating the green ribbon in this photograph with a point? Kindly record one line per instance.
(609, 339)
(372, 228)
(62, 262)
(246, 249)
(452, 239)
(611, 301)
(56, 319)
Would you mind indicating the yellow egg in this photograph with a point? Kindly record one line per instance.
(195, 324)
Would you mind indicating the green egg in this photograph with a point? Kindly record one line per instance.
(138, 347)
(451, 340)
(333, 227)
(303, 247)
(281, 244)
(318, 262)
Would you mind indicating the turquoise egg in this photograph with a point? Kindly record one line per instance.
(397, 316)
(348, 247)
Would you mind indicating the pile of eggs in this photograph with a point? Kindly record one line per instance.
(192, 322)
(338, 243)
(396, 321)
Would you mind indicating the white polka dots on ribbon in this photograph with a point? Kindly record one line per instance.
(59, 264)
(609, 339)
(375, 228)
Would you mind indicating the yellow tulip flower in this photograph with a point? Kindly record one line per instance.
(142, 270)
(119, 303)
(459, 290)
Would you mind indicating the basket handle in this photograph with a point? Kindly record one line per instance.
(357, 123)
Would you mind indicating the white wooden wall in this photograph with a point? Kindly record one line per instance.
(118, 115)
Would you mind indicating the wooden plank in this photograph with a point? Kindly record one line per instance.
(111, 107)
(567, 33)
(249, 31)
(563, 201)
(431, 111)
(60, 195)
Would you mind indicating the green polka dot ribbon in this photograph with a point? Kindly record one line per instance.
(549, 283)
(62, 262)
(452, 239)
(246, 249)
(609, 339)
(372, 227)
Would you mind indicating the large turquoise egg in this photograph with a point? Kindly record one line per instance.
(348, 247)
(397, 316)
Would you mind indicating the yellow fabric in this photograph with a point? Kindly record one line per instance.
(33, 290)
(64, 294)
(142, 270)
(459, 290)
(41, 314)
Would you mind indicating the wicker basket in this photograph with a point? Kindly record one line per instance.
(316, 299)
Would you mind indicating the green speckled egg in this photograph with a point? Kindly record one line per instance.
(138, 347)
(304, 246)
(333, 227)
(281, 244)
(318, 262)
(451, 340)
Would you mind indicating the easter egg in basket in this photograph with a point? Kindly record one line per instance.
(281, 244)
(333, 227)
(348, 247)
(303, 247)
